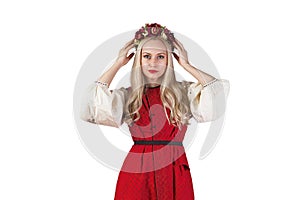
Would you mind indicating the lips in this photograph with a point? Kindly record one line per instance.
(153, 71)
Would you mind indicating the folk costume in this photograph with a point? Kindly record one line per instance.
(156, 167)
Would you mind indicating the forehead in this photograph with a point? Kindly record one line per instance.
(154, 46)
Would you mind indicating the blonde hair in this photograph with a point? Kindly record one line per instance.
(172, 93)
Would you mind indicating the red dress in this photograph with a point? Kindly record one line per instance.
(155, 172)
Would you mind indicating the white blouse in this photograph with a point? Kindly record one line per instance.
(104, 106)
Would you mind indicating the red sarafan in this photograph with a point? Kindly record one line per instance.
(155, 171)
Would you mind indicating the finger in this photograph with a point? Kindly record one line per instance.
(129, 47)
(124, 51)
(180, 57)
(129, 43)
(179, 43)
(177, 46)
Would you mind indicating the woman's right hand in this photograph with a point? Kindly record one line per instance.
(123, 59)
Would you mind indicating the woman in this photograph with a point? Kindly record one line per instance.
(157, 109)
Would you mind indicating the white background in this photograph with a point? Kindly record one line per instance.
(254, 44)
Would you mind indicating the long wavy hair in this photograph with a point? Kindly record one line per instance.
(172, 93)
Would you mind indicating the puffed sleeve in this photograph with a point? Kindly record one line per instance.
(103, 106)
(208, 102)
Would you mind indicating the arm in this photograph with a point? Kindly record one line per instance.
(108, 76)
(207, 99)
(202, 77)
(101, 105)
(122, 60)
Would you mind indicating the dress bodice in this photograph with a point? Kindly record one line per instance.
(153, 123)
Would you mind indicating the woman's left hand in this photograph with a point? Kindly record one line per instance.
(182, 56)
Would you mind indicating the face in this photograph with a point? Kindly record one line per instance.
(154, 60)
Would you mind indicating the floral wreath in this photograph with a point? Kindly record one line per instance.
(154, 30)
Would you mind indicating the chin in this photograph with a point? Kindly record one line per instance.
(153, 79)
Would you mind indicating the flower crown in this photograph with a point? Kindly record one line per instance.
(154, 30)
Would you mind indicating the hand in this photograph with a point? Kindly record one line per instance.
(182, 58)
(122, 57)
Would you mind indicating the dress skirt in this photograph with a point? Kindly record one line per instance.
(140, 179)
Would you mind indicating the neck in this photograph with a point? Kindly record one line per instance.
(153, 83)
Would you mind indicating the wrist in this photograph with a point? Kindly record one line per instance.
(210, 82)
(101, 83)
(186, 65)
(117, 65)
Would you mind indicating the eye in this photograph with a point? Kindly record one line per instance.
(146, 56)
(161, 57)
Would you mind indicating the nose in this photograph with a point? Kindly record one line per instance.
(153, 61)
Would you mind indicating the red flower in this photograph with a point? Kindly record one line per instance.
(153, 25)
(138, 36)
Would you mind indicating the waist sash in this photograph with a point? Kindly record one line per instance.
(157, 142)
